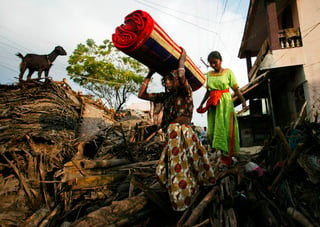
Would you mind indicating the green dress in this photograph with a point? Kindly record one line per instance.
(223, 130)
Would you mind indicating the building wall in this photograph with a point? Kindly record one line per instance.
(299, 66)
(309, 17)
(283, 57)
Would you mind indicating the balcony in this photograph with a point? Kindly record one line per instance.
(290, 38)
(288, 54)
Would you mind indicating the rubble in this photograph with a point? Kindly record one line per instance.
(66, 160)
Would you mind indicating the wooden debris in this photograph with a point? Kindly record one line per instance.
(201, 206)
(299, 217)
(284, 140)
(65, 160)
(36, 218)
(115, 213)
(287, 164)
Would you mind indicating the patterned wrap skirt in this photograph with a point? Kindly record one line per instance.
(184, 165)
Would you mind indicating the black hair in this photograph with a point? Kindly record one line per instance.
(164, 76)
(215, 55)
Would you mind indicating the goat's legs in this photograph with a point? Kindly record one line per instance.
(30, 73)
(46, 72)
(39, 74)
(22, 70)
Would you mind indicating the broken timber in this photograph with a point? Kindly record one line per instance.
(67, 160)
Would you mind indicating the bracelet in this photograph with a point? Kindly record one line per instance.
(144, 84)
(183, 69)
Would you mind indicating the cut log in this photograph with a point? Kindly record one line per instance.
(299, 217)
(37, 217)
(201, 206)
(284, 140)
(114, 213)
(288, 163)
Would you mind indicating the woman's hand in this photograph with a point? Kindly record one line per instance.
(183, 56)
(244, 106)
(150, 73)
(200, 106)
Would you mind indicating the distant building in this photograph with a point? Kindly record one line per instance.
(139, 106)
(283, 37)
(154, 111)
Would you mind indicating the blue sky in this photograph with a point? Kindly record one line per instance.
(200, 26)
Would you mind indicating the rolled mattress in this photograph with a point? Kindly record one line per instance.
(142, 38)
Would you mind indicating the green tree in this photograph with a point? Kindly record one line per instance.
(106, 72)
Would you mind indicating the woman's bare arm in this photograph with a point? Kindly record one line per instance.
(181, 69)
(240, 96)
(143, 94)
(205, 97)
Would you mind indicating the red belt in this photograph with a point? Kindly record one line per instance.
(213, 100)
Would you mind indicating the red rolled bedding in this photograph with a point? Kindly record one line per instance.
(143, 39)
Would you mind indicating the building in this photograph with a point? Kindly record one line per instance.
(282, 36)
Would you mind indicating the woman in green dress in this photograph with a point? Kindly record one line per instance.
(223, 132)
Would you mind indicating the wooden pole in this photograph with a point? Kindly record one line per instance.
(299, 217)
(289, 161)
(284, 140)
(201, 206)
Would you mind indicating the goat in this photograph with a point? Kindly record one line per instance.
(40, 63)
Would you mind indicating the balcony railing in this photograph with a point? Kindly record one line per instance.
(290, 37)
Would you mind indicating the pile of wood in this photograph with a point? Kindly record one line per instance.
(67, 161)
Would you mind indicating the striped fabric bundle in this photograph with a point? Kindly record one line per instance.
(143, 39)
